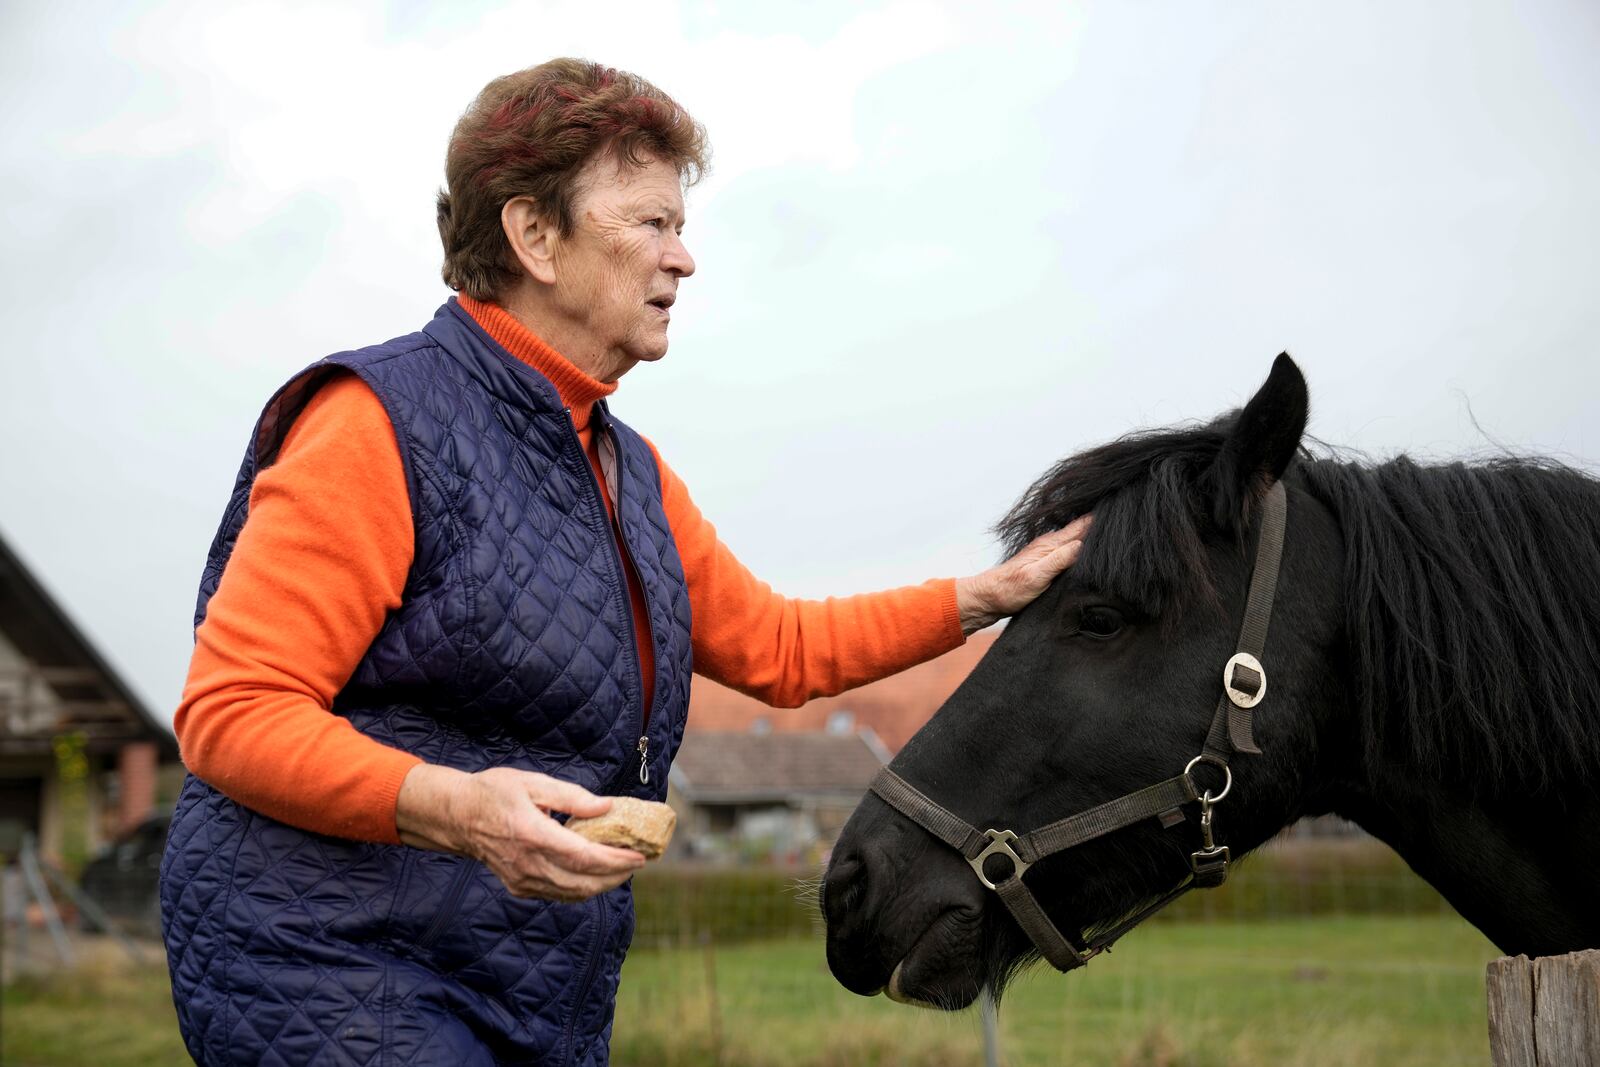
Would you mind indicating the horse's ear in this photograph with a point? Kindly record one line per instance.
(1263, 441)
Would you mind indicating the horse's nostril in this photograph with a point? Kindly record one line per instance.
(853, 891)
(840, 890)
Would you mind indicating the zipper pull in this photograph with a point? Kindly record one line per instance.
(644, 761)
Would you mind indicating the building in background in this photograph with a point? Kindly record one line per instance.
(893, 708)
(769, 797)
(80, 756)
(759, 784)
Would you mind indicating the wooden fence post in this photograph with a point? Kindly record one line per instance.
(1509, 983)
(1544, 1012)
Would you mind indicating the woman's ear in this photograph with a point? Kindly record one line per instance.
(532, 238)
(1262, 443)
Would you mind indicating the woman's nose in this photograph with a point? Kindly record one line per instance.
(676, 258)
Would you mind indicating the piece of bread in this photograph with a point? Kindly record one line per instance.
(643, 825)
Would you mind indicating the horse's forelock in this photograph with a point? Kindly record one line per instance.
(1145, 489)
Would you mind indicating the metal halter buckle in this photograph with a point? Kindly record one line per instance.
(1244, 698)
(999, 844)
(1210, 865)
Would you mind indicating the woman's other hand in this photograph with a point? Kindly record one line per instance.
(1004, 590)
(501, 817)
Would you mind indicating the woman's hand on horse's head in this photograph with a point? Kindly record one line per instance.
(500, 817)
(1002, 591)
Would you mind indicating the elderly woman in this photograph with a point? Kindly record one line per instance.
(451, 595)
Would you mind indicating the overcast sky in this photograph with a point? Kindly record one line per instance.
(941, 247)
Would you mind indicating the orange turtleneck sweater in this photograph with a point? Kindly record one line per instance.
(323, 559)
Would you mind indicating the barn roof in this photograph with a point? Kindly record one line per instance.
(65, 685)
(724, 766)
(895, 707)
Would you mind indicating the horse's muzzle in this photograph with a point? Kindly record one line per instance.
(850, 955)
(918, 919)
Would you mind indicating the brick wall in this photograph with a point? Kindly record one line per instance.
(136, 770)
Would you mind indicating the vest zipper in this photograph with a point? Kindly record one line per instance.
(448, 906)
(649, 623)
(619, 552)
(601, 922)
(588, 976)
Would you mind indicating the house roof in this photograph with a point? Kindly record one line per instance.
(89, 696)
(724, 765)
(894, 708)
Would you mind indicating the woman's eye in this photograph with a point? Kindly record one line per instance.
(1099, 622)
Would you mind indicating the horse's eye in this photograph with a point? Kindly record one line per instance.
(1100, 622)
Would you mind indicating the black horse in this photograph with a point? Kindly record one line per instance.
(1434, 665)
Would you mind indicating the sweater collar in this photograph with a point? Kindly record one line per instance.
(578, 390)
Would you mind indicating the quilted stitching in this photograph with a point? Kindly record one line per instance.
(513, 647)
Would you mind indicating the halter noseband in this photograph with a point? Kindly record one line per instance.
(1244, 684)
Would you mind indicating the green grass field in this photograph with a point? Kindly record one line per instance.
(1302, 992)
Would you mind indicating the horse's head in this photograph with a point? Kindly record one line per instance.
(1105, 685)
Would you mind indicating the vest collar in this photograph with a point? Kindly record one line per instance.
(578, 389)
(506, 377)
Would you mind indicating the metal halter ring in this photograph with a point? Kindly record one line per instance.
(999, 844)
(1227, 783)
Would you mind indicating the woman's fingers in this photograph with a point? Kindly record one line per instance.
(1047, 543)
(513, 835)
(1008, 588)
(552, 794)
(1059, 560)
(561, 846)
(1046, 556)
(577, 853)
(547, 875)
(580, 855)
(1077, 528)
(573, 873)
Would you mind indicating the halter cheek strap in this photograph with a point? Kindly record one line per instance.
(1244, 685)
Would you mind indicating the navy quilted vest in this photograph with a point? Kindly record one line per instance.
(513, 648)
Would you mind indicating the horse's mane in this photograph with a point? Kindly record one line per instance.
(1473, 589)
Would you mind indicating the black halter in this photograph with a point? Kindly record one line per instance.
(1244, 684)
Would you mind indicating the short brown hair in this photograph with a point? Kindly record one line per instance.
(528, 134)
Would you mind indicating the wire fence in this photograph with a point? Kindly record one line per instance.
(1318, 951)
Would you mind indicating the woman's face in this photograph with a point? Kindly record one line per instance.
(617, 272)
